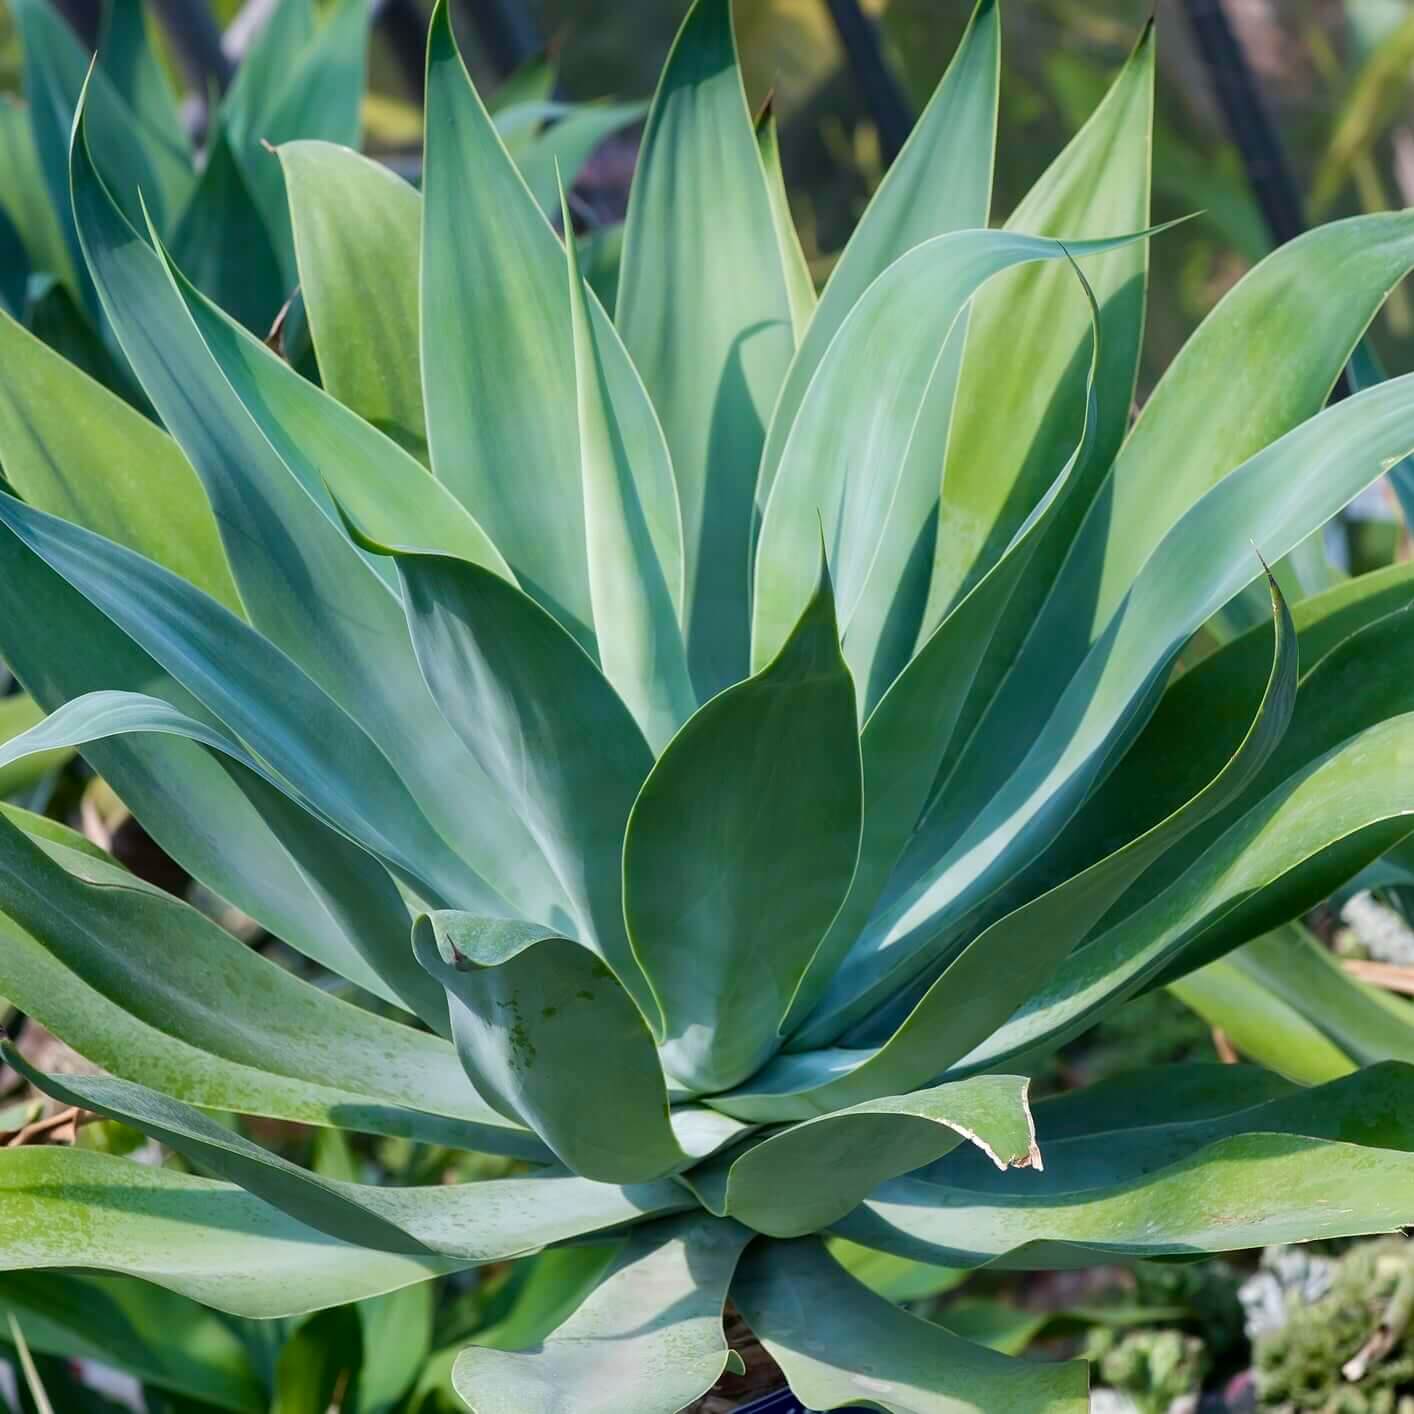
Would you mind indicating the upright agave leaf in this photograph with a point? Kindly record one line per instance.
(756, 743)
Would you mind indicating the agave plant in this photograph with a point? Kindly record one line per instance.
(755, 743)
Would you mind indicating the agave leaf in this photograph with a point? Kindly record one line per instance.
(223, 243)
(838, 1343)
(527, 1008)
(165, 1009)
(488, 1221)
(941, 181)
(864, 450)
(264, 67)
(1274, 500)
(301, 880)
(567, 145)
(76, 1208)
(906, 735)
(801, 1179)
(647, 1340)
(1317, 827)
(360, 283)
(1266, 1028)
(704, 307)
(56, 79)
(1293, 969)
(25, 198)
(1169, 761)
(396, 1332)
(636, 598)
(546, 727)
(305, 738)
(161, 1339)
(72, 448)
(1367, 1108)
(14, 269)
(800, 284)
(127, 55)
(532, 81)
(18, 713)
(320, 441)
(305, 586)
(498, 357)
(1233, 1194)
(996, 468)
(740, 850)
(1202, 421)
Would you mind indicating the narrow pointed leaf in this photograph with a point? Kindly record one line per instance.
(360, 283)
(705, 310)
(838, 1343)
(636, 597)
(941, 181)
(128, 56)
(567, 145)
(498, 356)
(740, 850)
(647, 1339)
(527, 1009)
(72, 448)
(800, 285)
(25, 198)
(996, 468)
(478, 1222)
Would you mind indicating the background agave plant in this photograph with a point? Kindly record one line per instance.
(752, 746)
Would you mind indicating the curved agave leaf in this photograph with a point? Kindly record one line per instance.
(804, 1178)
(1275, 500)
(360, 283)
(1169, 761)
(305, 587)
(740, 850)
(1009, 961)
(305, 736)
(560, 151)
(498, 356)
(941, 181)
(800, 284)
(545, 725)
(1201, 422)
(527, 1008)
(907, 734)
(864, 450)
(166, 1008)
(636, 606)
(300, 879)
(475, 1222)
(128, 56)
(75, 1208)
(1234, 1194)
(647, 1340)
(838, 1343)
(1369, 1108)
(1316, 828)
(996, 468)
(246, 107)
(72, 448)
(25, 198)
(704, 306)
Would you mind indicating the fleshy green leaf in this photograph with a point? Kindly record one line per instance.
(527, 1009)
(18, 713)
(128, 56)
(635, 596)
(475, 1222)
(24, 195)
(805, 1177)
(705, 310)
(546, 727)
(740, 850)
(360, 283)
(164, 1007)
(838, 1343)
(799, 282)
(1238, 1192)
(498, 356)
(76, 450)
(648, 1339)
(567, 145)
(76, 1208)
(941, 181)
(997, 467)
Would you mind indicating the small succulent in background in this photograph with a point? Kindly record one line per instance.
(745, 748)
